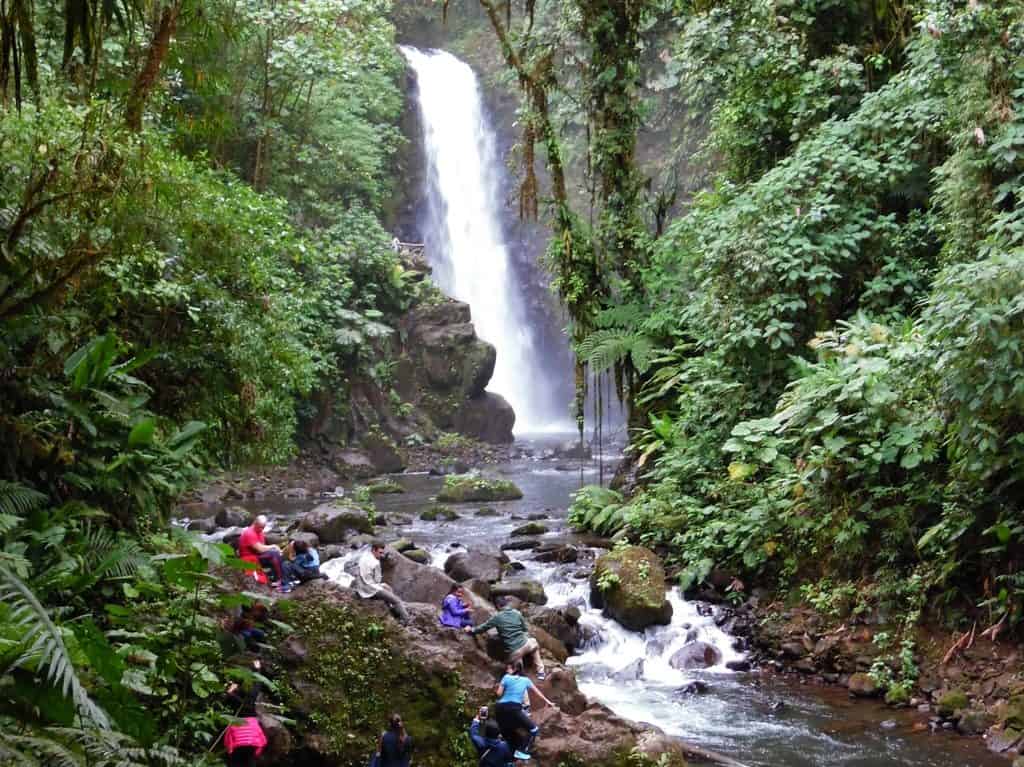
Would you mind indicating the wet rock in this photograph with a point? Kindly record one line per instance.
(488, 418)
(417, 555)
(526, 590)
(234, 516)
(888, 724)
(333, 522)
(793, 650)
(403, 544)
(696, 687)
(630, 672)
(695, 655)
(629, 585)
(563, 624)
(296, 493)
(573, 450)
(530, 528)
(220, 492)
(414, 582)
(738, 665)
(529, 543)
(974, 722)
(279, 738)
(467, 487)
(561, 553)
(1002, 739)
(384, 455)
(310, 539)
(469, 565)
(205, 525)
(352, 464)
(399, 520)
(333, 551)
(862, 685)
(439, 512)
(537, 517)
(487, 511)
(479, 587)
(231, 536)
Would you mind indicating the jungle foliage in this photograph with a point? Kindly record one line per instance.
(191, 197)
(827, 337)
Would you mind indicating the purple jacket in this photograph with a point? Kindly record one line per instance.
(454, 614)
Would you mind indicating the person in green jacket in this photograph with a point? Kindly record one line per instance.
(512, 630)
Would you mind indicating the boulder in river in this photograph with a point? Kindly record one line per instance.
(530, 528)
(561, 553)
(234, 516)
(464, 488)
(630, 672)
(561, 623)
(417, 555)
(863, 685)
(526, 590)
(487, 417)
(467, 565)
(574, 449)
(695, 655)
(384, 455)
(628, 583)
(333, 522)
(439, 513)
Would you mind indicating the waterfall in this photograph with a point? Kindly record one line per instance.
(463, 230)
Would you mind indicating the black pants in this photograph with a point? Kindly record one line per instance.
(512, 721)
(243, 756)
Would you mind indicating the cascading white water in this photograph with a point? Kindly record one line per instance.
(466, 245)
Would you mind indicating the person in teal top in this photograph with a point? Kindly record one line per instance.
(509, 709)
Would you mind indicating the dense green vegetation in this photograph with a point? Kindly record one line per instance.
(828, 339)
(190, 243)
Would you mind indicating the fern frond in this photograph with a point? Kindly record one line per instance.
(45, 646)
(110, 555)
(34, 750)
(17, 500)
(603, 349)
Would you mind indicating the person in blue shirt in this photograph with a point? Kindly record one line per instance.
(305, 566)
(491, 748)
(509, 709)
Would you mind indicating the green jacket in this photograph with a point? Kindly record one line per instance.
(511, 627)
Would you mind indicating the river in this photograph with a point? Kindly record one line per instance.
(762, 720)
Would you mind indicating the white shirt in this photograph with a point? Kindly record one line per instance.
(368, 578)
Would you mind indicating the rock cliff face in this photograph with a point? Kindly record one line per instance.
(435, 372)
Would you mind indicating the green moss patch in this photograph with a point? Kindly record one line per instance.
(464, 488)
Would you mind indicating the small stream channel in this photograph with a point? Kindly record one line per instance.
(760, 720)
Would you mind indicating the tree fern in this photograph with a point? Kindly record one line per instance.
(603, 349)
(45, 647)
(87, 747)
(17, 500)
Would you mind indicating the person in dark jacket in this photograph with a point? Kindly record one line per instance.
(395, 747)
(513, 632)
(454, 610)
(491, 748)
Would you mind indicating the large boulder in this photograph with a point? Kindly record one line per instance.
(469, 565)
(233, 516)
(333, 522)
(352, 464)
(383, 453)
(488, 418)
(525, 590)
(628, 584)
(464, 488)
(695, 655)
(562, 623)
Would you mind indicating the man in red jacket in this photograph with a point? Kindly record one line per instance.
(252, 546)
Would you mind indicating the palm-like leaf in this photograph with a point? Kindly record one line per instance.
(603, 349)
(45, 646)
(16, 500)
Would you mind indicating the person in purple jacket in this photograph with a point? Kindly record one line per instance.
(455, 612)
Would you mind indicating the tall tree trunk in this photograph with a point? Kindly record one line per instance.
(155, 55)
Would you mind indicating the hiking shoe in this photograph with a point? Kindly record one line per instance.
(284, 589)
(521, 755)
(542, 675)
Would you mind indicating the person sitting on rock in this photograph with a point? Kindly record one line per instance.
(369, 583)
(491, 749)
(509, 709)
(454, 610)
(305, 564)
(395, 745)
(511, 627)
(252, 547)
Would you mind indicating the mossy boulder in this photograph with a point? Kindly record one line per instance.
(438, 512)
(525, 590)
(417, 555)
(950, 702)
(530, 528)
(385, 487)
(334, 522)
(465, 488)
(487, 511)
(863, 685)
(628, 584)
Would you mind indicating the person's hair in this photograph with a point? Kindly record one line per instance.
(397, 726)
(517, 668)
(300, 546)
(503, 602)
(261, 520)
(376, 545)
(455, 587)
(491, 729)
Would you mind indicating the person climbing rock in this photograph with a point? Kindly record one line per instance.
(455, 610)
(369, 583)
(243, 743)
(491, 749)
(511, 627)
(395, 746)
(509, 709)
(304, 565)
(252, 547)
